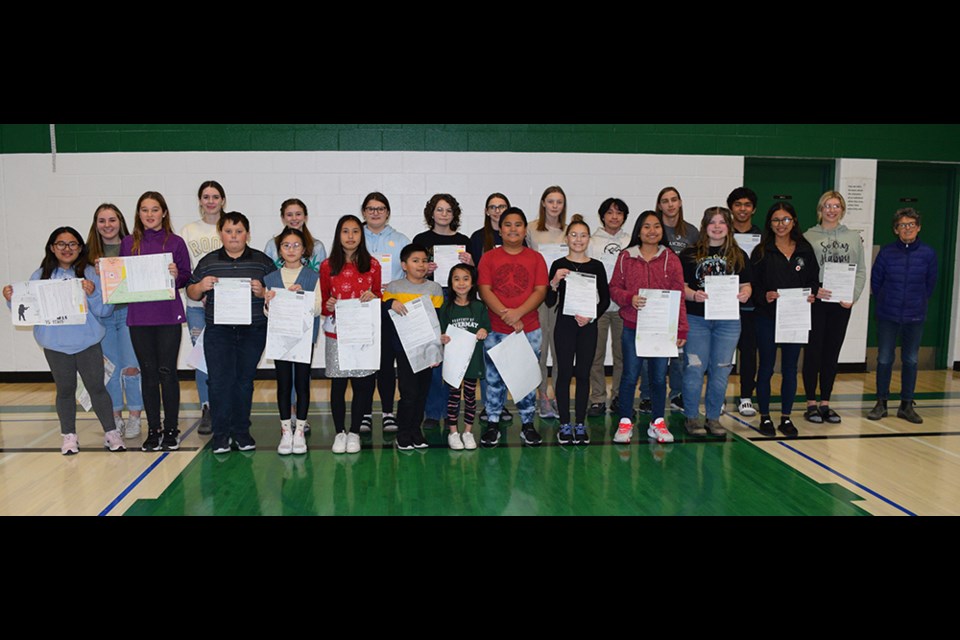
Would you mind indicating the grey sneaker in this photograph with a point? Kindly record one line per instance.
(131, 429)
(694, 427)
(206, 421)
(879, 410)
(907, 413)
(715, 428)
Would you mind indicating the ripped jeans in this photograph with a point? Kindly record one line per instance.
(709, 351)
(157, 348)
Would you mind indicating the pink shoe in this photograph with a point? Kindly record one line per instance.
(70, 445)
(114, 441)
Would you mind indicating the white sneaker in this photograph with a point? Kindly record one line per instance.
(299, 442)
(285, 447)
(340, 443)
(118, 423)
(353, 443)
(454, 441)
(624, 431)
(469, 443)
(659, 432)
(746, 408)
(132, 427)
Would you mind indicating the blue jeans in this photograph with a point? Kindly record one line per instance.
(709, 351)
(232, 354)
(495, 396)
(657, 370)
(910, 334)
(789, 354)
(436, 407)
(677, 365)
(196, 322)
(118, 349)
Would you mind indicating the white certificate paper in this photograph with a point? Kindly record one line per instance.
(518, 365)
(457, 354)
(747, 241)
(232, 301)
(358, 334)
(197, 358)
(721, 303)
(419, 333)
(82, 395)
(446, 257)
(657, 324)
(840, 280)
(580, 297)
(48, 302)
(553, 252)
(793, 316)
(290, 326)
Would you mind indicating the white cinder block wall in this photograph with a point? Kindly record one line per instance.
(34, 200)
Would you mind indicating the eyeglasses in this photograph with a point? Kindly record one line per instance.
(290, 246)
(906, 225)
(375, 209)
(497, 207)
(66, 245)
(784, 220)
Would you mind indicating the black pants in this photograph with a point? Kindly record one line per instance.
(89, 364)
(829, 327)
(573, 342)
(386, 377)
(414, 388)
(747, 358)
(157, 348)
(293, 374)
(362, 401)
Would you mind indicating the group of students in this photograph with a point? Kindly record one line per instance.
(501, 285)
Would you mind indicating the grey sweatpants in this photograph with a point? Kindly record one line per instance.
(89, 363)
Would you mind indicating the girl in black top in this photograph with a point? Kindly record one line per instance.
(575, 337)
(783, 260)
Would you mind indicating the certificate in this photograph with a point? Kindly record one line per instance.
(232, 301)
(457, 355)
(137, 278)
(290, 326)
(82, 395)
(553, 252)
(48, 302)
(793, 316)
(721, 303)
(446, 257)
(840, 280)
(358, 334)
(419, 333)
(580, 296)
(657, 324)
(747, 241)
(386, 267)
(518, 365)
(197, 358)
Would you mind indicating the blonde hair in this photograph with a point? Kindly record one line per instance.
(823, 200)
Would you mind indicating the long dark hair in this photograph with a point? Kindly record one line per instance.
(770, 238)
(138, 228)
(472, 294)
(338, 257)
(488, 224)
(50, 262)
(94, 241)
(681, 227)
(635, 240)
(306, 232)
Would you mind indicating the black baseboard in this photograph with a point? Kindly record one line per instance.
(956, 366)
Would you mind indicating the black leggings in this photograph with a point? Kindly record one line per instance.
(362, 401)
(297, 375)
(571, 341)
(157, 348)
(829, 327)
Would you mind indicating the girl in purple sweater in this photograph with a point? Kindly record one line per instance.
(155, 326)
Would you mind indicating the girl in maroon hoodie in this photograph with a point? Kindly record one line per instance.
(648, 263)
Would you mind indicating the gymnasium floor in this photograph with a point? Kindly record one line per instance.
(859, 467)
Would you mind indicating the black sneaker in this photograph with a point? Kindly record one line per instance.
(615, 406)
(565, 434)
(221, 444)
(812, 414)
(766, 427)
(491, 437)
(419, 442)
(676, 403)
(787, 428)
(646, 406)
(829, 415)
(170, 440)
(152, 443)
(505, 415)
(405, 441)
(431, 423)
(366, 424)
(597, 409)
(244, 441)
(389, 423)
(529, 435)
(580, 435)
(206, 422)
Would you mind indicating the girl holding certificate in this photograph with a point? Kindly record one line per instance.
(836, 245)
(75, 348)
(783, 260)
(109, 228)
(711, 343)
(575, 334)
(350, 272)
(155, 327)
(648, 263)
(293, 245)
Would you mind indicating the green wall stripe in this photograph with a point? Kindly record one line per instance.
(922, 142)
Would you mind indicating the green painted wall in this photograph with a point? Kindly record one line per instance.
(883, 142)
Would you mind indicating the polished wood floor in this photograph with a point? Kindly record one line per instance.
(890, 467)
